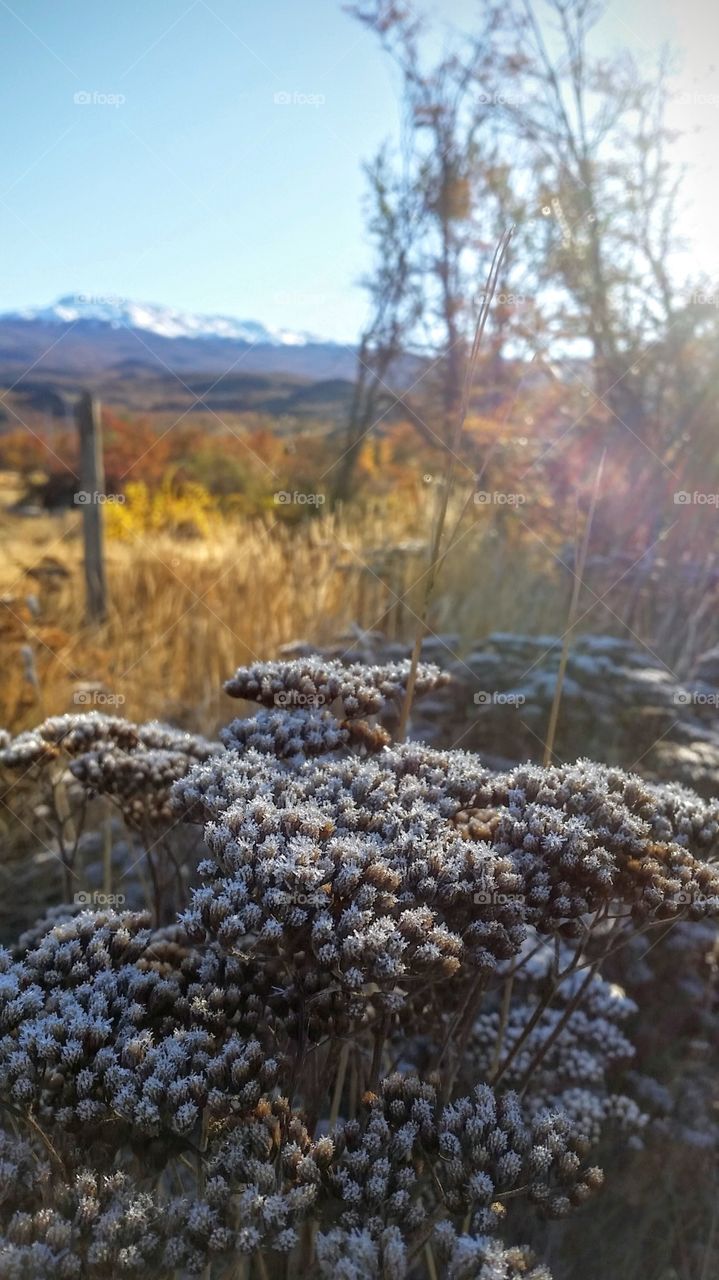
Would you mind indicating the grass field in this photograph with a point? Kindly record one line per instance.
(185, 612)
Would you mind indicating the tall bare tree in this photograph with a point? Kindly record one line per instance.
(525, 121)
(394, 212)
(592, 145)
(448, 128)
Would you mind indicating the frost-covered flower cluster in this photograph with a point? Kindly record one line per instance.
(71, 734)
(584, 835)
(349, 872)
(619, 701)
(354, 689)
(86, 731)
(383, 1035)
(99, 1224)
(289, 735)
(95, 1032)
(579, 1049)
(77, 773)
(136, 765)
(139, 782)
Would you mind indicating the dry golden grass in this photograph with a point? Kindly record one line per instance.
(184, 613)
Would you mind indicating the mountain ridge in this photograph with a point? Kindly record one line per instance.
(84, 340)
(166, 322)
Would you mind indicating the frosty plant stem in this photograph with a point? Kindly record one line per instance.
(339, 1084)
(449, 476)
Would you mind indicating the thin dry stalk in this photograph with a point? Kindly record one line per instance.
(503, 1020)
(261, 1267)
(431, 1265)
(107, 856)
(559, 1026)
(354, 1089)
(709, 1250)
(339, 1084)
(573, 607)
(540, 1008)
(446, 489)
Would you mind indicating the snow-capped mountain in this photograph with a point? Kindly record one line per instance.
(166, 322)
(83, 337)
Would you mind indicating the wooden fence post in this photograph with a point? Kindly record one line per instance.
(90, 498)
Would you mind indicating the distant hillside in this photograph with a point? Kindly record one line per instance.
(86, 346)
(153, 360)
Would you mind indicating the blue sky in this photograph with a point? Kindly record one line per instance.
(184, 181)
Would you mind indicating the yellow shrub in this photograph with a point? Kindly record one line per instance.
(186, 511)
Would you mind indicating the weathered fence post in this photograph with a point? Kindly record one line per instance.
(90, 497)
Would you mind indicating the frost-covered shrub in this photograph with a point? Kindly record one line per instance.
(619, 704)
(383, 1034)
(74, 770)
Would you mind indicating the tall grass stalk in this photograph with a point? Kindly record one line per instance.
(571, 620)
(446, 489)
